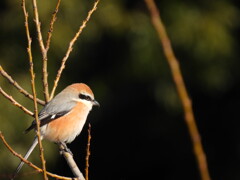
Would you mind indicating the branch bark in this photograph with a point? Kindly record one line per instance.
(34, 89)
(43, 51)
(29, 163)
(181, 88)
(71, 163)
(54, 18)
(18, 87)
(70, 48)
(88, 151)
(15, 103)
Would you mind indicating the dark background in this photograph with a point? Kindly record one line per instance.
(139, 130)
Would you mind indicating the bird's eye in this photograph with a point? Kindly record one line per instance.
(85, 97)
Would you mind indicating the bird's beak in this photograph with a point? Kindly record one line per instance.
(95, 103)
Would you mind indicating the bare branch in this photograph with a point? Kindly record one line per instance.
(17, 86)
(70, 47)
(33, 85)
(29, 163)
(88, 151)
(15, 103)
(43, 51)
(182, 91)
(54, 17)
(71, 163)
(44, 70)
(38, 25)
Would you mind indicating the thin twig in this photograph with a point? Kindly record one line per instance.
(15, 103)
(70, 47)
(17, 86)
(28, 162)
(43, 51)
(71, 163)
(88, 151)
(54, 17)
(184, 97)
(38, 25)
(34, 89)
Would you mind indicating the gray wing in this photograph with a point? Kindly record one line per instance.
(54, 109)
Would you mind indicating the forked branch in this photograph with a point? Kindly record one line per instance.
(29, 163)
(17, 86)
(181, 88)
(43, 51)
(70, 48)
(69, 158)
(15, 103)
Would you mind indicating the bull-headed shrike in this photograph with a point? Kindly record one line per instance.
(63, 118)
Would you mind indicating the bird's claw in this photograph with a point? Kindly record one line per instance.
(65, 149)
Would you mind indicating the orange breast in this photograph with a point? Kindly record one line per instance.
(66, 128)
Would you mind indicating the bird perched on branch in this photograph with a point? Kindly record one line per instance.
(63, 118)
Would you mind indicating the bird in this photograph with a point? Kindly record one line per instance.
(63, 117)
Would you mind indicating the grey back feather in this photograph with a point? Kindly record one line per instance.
(61, 103)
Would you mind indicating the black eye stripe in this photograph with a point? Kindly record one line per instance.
(85, 97)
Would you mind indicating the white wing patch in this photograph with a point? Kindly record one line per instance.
(53, 116)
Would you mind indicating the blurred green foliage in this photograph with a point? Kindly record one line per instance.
(118, 47)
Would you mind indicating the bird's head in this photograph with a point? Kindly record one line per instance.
(82, 93)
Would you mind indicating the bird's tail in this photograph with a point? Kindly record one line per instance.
(35, 142)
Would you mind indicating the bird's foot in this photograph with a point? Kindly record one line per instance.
(65, 149)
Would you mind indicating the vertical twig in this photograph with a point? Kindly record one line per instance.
(178, 79)
(54, 17)
(70, 48)
(88, 151)
(38, 25)
(43, 51)
(34, 90)
(17, 86)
